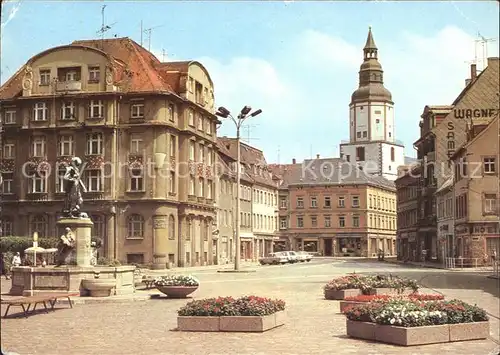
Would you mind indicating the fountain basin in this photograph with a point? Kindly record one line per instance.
(99, 287)
(28, 281)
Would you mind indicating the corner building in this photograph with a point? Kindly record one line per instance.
(145, 131)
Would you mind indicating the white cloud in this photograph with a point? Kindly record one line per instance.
(16, 4)
(306, 85)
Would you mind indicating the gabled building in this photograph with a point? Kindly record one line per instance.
(145, 131)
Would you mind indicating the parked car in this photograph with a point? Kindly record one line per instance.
(303, 256)
(274, 259)
(292, 256)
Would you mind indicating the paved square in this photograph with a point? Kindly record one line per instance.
(313, 324)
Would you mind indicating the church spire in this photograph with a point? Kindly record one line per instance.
(370, 49)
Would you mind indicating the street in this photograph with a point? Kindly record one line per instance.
(313, 325)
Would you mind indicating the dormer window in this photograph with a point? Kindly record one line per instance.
(137, 110)
(44, 76)
(94, 74)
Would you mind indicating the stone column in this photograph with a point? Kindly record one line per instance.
(182, 230)
(81, 228)
(110, 237)
(160, 239)
(160, 171)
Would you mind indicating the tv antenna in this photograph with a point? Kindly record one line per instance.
(482, 43)
(279, 151)
(148, 31)
(247, 128)
(104, 28)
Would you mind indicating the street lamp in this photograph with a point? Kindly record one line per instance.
(238, 121)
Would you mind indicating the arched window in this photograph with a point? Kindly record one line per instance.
(99, 226)
(135, 226)
(7, 227)
(171, 227)
(39, 225)
(392, 154)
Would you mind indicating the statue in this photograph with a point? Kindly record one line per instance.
(73, 187)
(66, 248)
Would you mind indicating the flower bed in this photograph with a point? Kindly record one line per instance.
(177, 286)
(412, 322)
(227, 314)
(354, 285)
(361, 299)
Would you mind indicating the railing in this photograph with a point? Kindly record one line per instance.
(476, 263)
(69, 86)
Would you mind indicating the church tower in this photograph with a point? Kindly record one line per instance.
(372, 144)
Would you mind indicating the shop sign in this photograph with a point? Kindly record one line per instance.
(468, 113)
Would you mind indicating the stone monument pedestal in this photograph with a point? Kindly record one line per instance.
(82, 230)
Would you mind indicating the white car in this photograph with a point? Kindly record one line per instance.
(292, 256)
(274, 259)
(303, 256)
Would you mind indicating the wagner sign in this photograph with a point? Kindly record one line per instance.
(450, 138)
(468, 113)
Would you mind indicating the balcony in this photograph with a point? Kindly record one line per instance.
(69, 86)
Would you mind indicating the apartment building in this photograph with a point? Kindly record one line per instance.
(408, 188)
(476, 193)
(145, 131)
(332, 207)
(259, 195)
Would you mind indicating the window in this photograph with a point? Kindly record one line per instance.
(7, 227)
(38, 146)
(68, 111)
(489, 165)
(300, 222)
(314, 221)
(348, 158)
(8, 151)
(94, 144)
(191, 150)
(66, 145)
(96, 109)
(370, 201)
(135, 226)
(360, 153)
(94, 73)
(209, 157)
(390, 134)
(39, 224)
(209, 189)
(300, 202)
(358, 135)
(200, 123)
(191, 84)
(60, 182)
(40, 111)
(328, 202)
(71, 75)
(328, 221)
(44, 76)
(341, 202)
(490, 204)
(173, 145)
(99, 226)
(355, 201)
(209, 127)
(190, 114)
(393, 156)
(283, 202)
(314, 202)
(171, 181)
(171, 227)
(201, 156)
(136, 180)
(38, 183)
(137, 111)
(355, 221)
(10, 117)
(341, 221)
(283, 224)
(191, 186)
(93, 180)
(202, 187)
(171, 112)
(365, 134)
(7, 185)
(136, 146)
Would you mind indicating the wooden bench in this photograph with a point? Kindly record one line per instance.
(41, 299)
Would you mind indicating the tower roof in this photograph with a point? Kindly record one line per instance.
(370, 43)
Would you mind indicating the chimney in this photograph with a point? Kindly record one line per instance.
(473, 72)
(317, 156)
(294, 161)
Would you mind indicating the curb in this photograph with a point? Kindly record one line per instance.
(229, 271)
(110, 299)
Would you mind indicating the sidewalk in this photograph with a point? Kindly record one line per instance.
(243, 265)
(434, 265)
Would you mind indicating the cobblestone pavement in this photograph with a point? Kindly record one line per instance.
(313, 324)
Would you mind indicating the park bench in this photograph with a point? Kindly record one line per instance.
(42, 299)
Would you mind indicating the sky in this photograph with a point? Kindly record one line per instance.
(298, 61)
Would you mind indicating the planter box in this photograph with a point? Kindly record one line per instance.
(412, 336)
(390, 292)
(341, 294)
(469, 331)
(361, 330)
(198, 324)
(231, 324)
(346, 304)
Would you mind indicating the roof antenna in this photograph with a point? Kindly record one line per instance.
(148, 32)
(104, 28)
(163, 55)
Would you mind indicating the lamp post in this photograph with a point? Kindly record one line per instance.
(238, 121)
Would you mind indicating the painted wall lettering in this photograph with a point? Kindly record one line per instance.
(450, 136)
(462, 113)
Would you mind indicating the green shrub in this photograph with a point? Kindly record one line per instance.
(103, 261)
(19, 244)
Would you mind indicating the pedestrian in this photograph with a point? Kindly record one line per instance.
(16, 260)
